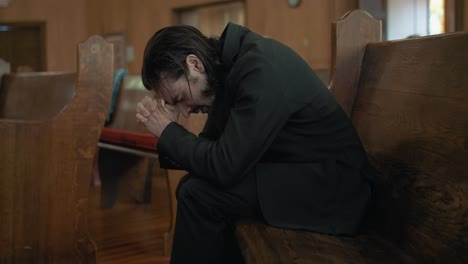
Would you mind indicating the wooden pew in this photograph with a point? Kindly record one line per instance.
(126, 147)
(35, 96)
(408, 100)
(45, 163)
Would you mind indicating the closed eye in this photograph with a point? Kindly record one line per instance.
(175, 101)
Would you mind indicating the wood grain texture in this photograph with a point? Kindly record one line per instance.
(269, 245)
(24, 93)
(411, 113)
(349, 38)
(45, 169)
(131, 232)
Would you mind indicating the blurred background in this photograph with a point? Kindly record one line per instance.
(42, 35)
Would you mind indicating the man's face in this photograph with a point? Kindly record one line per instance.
(187, 98)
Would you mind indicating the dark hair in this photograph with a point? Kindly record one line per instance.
(166, 52)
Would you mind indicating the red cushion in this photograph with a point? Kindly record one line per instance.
(129, 138)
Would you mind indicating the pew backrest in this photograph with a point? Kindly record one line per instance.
(130, 94)
(409, 104)
(35, 96)
(349, 37)
(45, 168)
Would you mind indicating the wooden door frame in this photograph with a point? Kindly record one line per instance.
(454, 15)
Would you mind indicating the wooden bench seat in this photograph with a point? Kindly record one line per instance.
(279, 245)
(408, 101)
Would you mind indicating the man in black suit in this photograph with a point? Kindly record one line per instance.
(276, 146)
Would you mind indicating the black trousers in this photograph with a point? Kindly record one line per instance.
(206, 216)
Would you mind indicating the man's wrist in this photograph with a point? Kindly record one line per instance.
(164, 126)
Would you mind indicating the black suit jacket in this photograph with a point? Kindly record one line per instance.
(273, 117)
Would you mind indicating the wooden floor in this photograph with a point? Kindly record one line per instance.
(131, 232)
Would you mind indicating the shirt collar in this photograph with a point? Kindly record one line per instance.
(231, 39)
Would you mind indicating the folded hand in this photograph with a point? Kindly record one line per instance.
(155, 114)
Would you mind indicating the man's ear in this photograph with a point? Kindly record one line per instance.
(194, 63)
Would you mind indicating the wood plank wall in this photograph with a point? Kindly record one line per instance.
(306, 28)
(465, 15)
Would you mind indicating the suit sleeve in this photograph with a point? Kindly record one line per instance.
(208, 130)
(258, 114)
